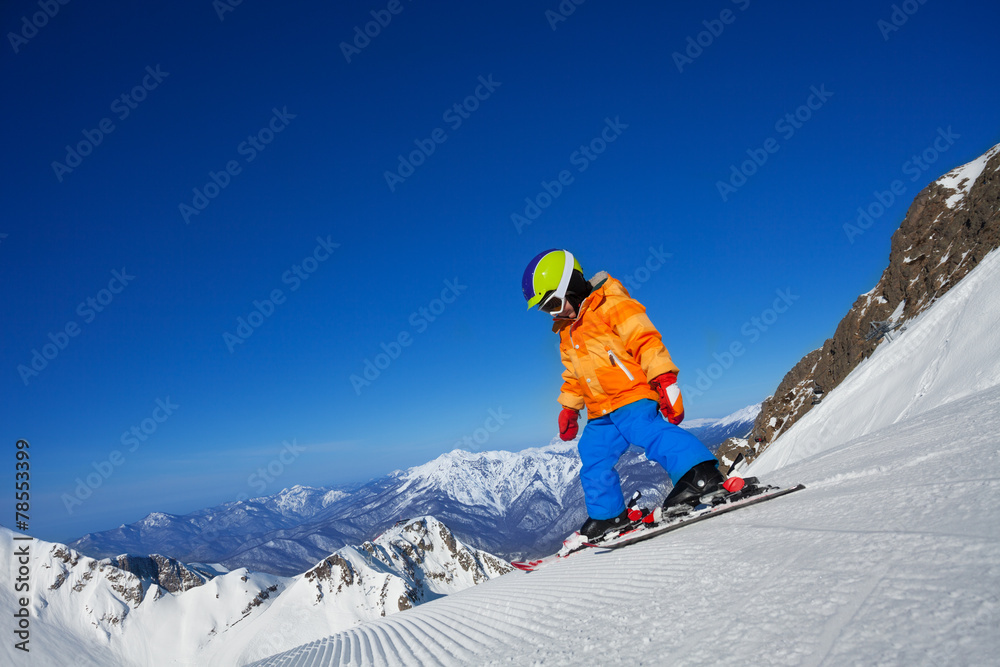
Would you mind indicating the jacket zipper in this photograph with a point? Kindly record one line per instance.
(615, 361)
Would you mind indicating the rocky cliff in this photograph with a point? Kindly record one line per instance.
(171, 575)
(950, 226)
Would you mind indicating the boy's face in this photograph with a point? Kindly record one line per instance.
(567, 312)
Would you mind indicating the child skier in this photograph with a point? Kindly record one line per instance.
(616, 366)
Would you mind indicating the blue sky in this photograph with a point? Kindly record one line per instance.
(258, 121)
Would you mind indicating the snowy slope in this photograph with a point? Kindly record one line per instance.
(949, 351)
(890, 556)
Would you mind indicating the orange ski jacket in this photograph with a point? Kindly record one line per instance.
(610, 351)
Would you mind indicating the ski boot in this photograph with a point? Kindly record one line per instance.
(593, 529)
(700, 485)
(596, 528)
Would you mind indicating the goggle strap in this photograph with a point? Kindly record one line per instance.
(566, 275)
(560, 291)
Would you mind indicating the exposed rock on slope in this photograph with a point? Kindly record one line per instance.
(171, 575)
(409, 564)
(950, 226)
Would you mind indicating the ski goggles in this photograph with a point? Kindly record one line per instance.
(556, 300)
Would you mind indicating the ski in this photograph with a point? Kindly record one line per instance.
(650, 527)
(575, 543)
(646, 533)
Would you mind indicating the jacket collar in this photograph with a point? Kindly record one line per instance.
(594, 298)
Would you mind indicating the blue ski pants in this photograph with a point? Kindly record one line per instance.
(605, 439)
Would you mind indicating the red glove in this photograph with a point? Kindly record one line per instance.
(671, 402)
(568, 428)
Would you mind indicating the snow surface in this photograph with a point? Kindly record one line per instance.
(898, 312)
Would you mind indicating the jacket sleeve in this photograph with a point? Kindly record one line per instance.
(628, 319)
(570, 396)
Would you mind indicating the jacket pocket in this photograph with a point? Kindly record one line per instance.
(615, 361)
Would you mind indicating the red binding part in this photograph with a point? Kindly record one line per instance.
(733, 484)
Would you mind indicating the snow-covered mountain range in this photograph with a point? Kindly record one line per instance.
(155, 611)
(513, 504)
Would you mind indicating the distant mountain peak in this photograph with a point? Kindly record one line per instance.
(157, 519)
(713, 432)
(750, 413)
